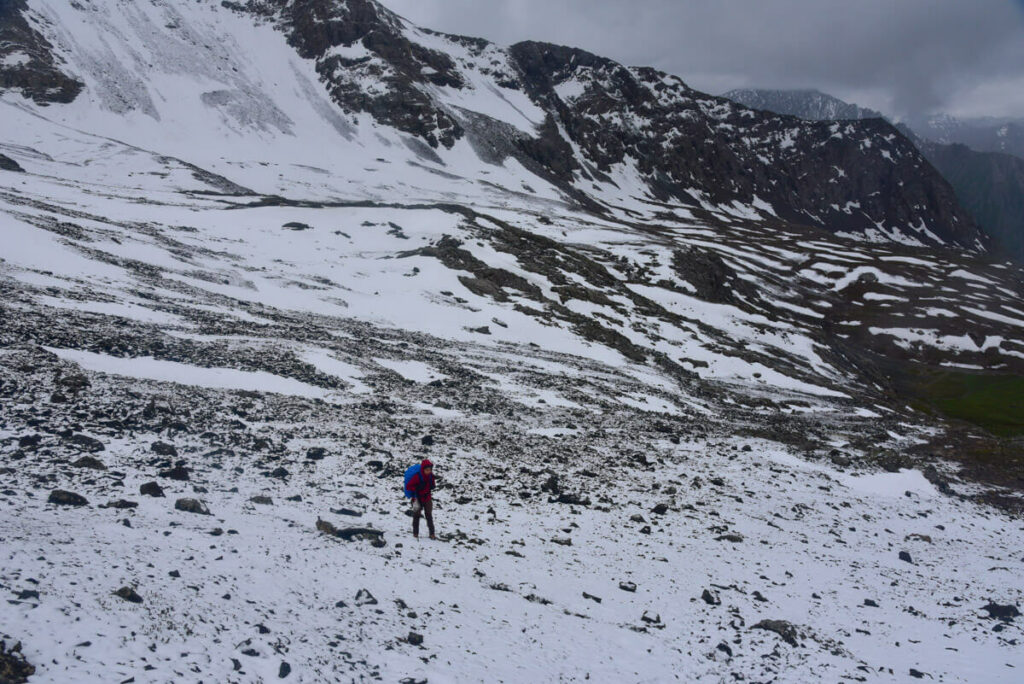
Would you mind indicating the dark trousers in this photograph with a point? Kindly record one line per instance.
(427, 509)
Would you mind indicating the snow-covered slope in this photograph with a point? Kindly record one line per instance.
(216, 277)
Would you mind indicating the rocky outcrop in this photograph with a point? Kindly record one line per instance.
(27, 61)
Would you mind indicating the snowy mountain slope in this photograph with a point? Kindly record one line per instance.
(291, 298)
(155, 73)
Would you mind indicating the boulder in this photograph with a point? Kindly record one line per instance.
(191, 506)
(89, 462)
(128, 594)
(784, 629)
(151, 489)
(65, 498)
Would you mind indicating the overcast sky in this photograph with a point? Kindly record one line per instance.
(902, 57)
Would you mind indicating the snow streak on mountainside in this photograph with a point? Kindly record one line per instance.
(714, 395)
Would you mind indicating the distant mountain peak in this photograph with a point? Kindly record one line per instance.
(809, 104)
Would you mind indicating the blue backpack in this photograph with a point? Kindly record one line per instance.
(410, 472)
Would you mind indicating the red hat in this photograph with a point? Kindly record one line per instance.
(425, 463)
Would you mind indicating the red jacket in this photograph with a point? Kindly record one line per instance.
(420, 485)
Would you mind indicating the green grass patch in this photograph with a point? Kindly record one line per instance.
(991, 401)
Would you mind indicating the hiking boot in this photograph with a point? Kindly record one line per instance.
(433, 537)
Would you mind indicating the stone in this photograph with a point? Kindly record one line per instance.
(90, 462)
(711, 598)
(14, 669)
(179, 473)
(151, 489)
(128, 594)
(365, 598)
(86, 443)
(262, 500)
(427, 440)
(120, 504)
(1006, 613)
(628, 586)
(62, 497)
(163, 449)
(279, 473)
(191, 506)
(284, 670)
(595, 599)
(905, 557)
(415, 639)
(660, 509)
(316, 453)
(784, 629)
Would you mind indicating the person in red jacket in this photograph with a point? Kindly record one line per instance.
(421, 485)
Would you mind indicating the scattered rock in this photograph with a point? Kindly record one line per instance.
(660, 509)
(627, 586)
(284, 670)
(191, 506)
(731, 537)
(29, 441)
(365, 598)
(415, 639)
(151, 489)
(1006, 613)
(595, 599)
(86, 443)
(564, 541)
(427, 440)
(177, 473)
(261, 499)
(724, 648)
(653, 620)
(163, 449)
(65, 498)
(120, 503)
(128, 594)
(89, 462)
(784, 629)
(905, 557)
(870, 603)
(711, 598)
(917, 674)
(296, 225)
(316, 453)
(279, 472)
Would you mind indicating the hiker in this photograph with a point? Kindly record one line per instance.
(421, 485)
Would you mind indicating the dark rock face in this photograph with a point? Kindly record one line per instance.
(989, 185)
(27, 63)
(8, 164)
(65, 498)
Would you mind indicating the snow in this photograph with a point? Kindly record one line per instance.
(148, 368)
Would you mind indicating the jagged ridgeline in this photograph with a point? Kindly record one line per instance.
(595, 123)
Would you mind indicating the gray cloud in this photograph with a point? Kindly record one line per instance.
(904, 57)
